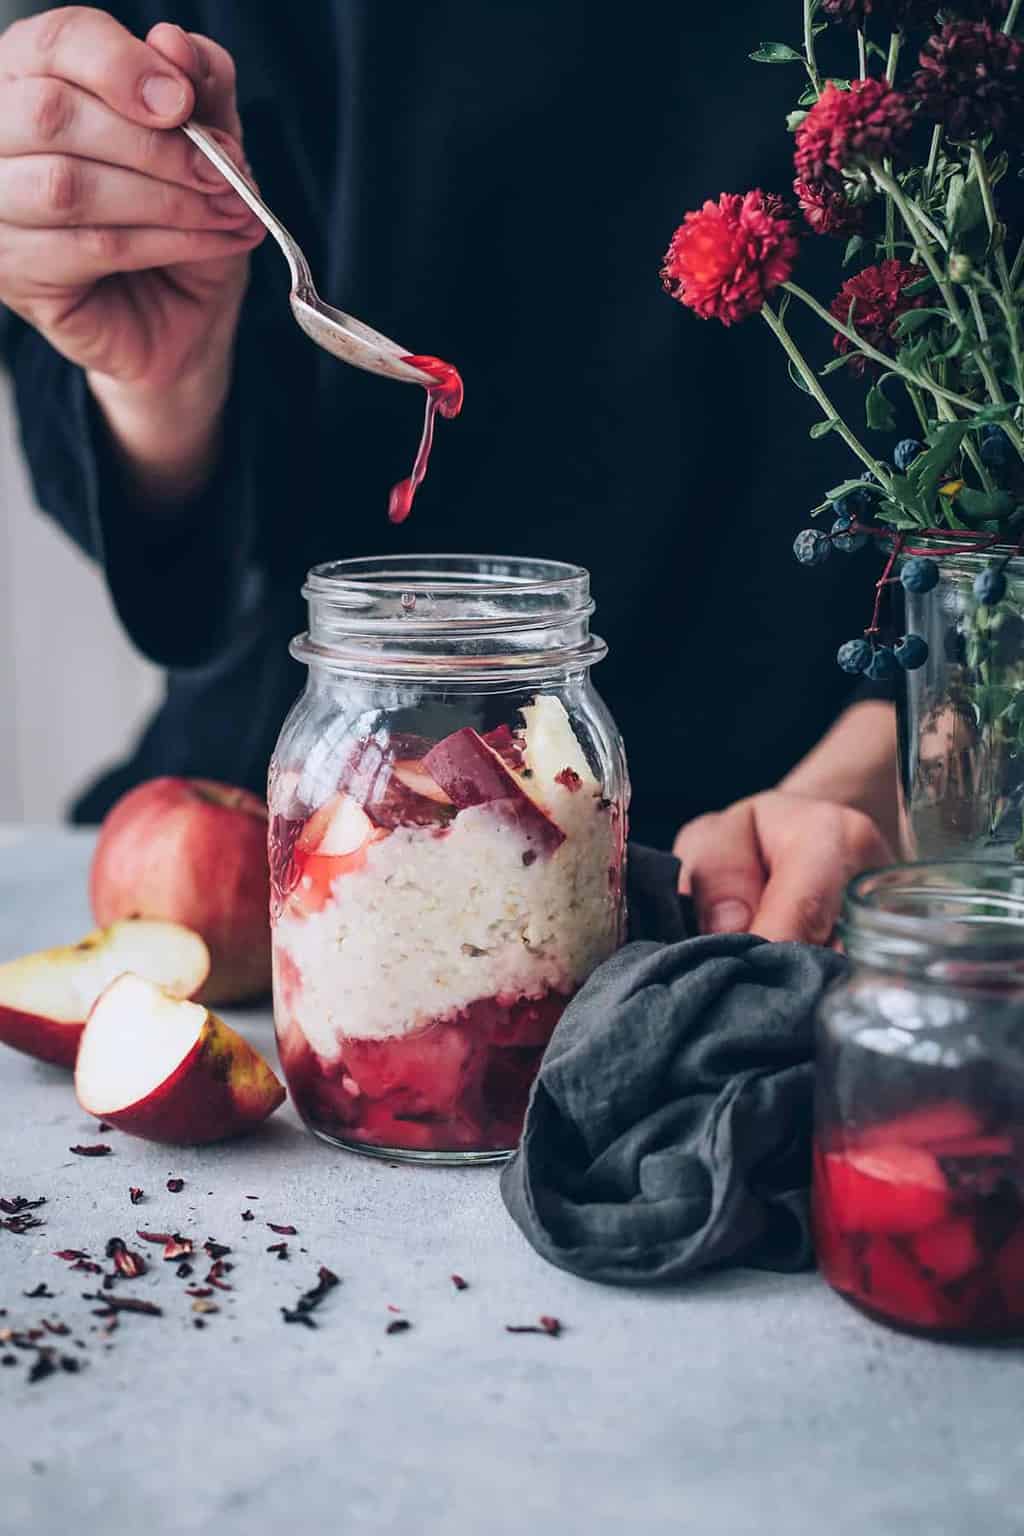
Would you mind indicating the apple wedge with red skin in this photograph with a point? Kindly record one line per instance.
(471, 773)
(192, 851)
(45, 998)
(168, 1070)
(332, 843)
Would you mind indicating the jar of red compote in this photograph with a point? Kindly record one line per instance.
(447, 837)
(919, 1151)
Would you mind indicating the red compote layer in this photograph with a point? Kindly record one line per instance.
(919, 1221)
(431, 919)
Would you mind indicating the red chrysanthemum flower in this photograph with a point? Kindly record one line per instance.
(845, 129)
(726, 258)
(827, 209)
(972, 80)
(878, 297)
(888, 14)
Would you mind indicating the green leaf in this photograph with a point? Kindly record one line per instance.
(922, 285)
(929, 468)
(965, 208)
(840, 85)
(990, 413)
(878, 412)
(915, 319)
(796, 376)
(983, 506)
(838, 491)
(776, 53)
(794, 119)
(897, 517)
(810, 96)
(837, 363)
(822, 428)
(854, 246)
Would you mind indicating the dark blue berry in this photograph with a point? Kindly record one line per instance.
(906, 452)
(919, 575)
(812, 546)
(882, 665)
(844, 540)
(990, 586)
(911, 652)
(854, 656)
(856, 506)
(995, 448)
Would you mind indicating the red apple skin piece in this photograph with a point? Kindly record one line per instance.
(470, 774)
(895, 1189)
(56, 1040)
(194, 852)
(222, 1088)
(950, 1121)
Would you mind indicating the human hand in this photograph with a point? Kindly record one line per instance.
(776, 864)
(118, 241)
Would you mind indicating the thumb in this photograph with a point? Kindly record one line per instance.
(723, 868)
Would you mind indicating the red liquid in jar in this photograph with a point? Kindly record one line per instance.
(444, 398)
(919, 1222)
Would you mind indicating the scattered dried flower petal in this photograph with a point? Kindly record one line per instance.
(205, 1306)
(183, 1270)
(127, 1263)
(459, 1283)
(283, 1231)
(281, 1249)
(215, 1250)
(40, 1292)
(549, 1325)
(135, 1194)
(178, 1247)
(15, 1204)
(398, 1325)
(58, 1328)
(114, 1303)
(248, 1216)
(100, 1149)
(175, 1186)
(198, 1290)
(154, 1237)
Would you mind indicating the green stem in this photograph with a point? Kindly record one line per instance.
(919, 380)
(1017, 268)
(895, 42)
(890, 220)
(862, 54)
(810, 6)
(983, 336)
(971, 451)
(1011, 20)
(918, 404)
(814, 387)
(933, 160)
(890, 185)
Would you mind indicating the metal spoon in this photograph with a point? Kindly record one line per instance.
(330, 328)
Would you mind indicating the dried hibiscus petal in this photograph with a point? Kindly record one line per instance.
(100, 1149)
(215, 1250)
(58, 1328)
(281, 1249)
(113, 1303)
(135, 1194)
(70, 1253)
(326, 1281)
(398, 1325)
(282, 1231)
(154, 1237)
(20, 1224)
(86, 1267)
(248, 1216)
(175, 1186)
(13, 1205)
(178, 1247)
(215, 1277)
(198, 1290)
(548, 1325)
(183, 1270)
(40, 1292)
(459, 1283)
(127, 1263)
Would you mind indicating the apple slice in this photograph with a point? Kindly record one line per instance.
(551, 751)
(471, 773)
(333, 842)
(169, 1070)
(45, 998)
(409, 798)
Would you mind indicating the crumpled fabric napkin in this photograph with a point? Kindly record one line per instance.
(669, 1129)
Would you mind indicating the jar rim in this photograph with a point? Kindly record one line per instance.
(957, 547)
(952, 918)
(449, 616)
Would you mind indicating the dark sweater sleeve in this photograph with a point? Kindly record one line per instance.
(176, 580)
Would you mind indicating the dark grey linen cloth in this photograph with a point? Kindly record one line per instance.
(669, 1129)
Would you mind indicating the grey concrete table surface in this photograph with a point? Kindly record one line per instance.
(740, 1403)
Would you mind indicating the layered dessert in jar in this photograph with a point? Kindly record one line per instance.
(432, 916)
(919, 1218)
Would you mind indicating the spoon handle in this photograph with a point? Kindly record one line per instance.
(302, 281)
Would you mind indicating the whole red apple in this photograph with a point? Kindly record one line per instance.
(193, 852)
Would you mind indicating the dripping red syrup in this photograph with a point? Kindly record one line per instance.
(444, 398)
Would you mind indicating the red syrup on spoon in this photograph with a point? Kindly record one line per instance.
(444, 398)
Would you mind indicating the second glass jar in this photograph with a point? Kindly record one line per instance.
(448, 826)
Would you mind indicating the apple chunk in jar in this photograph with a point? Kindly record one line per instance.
(448, 803)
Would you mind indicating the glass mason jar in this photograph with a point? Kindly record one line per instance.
(918, 1189)
(961, 715)
(448, 805)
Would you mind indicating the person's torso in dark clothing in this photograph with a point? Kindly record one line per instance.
(496, 184)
